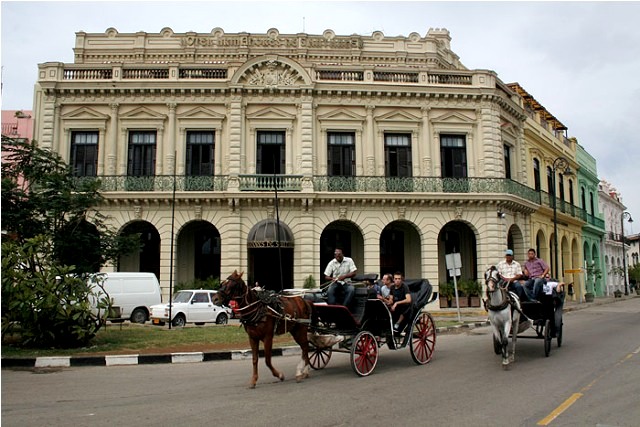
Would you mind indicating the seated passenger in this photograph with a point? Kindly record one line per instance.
(536, 269)
(385, 289)
(401, 301)
(510, 273)
(339, 271)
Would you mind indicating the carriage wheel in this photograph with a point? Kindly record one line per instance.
(423, 338)
(497, 346)
(547, 337)
(364, 353)
(319, 357)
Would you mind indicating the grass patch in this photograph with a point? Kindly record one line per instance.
(133, 338)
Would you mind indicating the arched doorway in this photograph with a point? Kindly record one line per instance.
(198, 252)
(400, 250)
(345, 235)
(270, 247)
(147, 260)
(457, 236)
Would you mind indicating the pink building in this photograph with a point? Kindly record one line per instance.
(17, 124)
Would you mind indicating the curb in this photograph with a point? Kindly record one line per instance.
(198, 357)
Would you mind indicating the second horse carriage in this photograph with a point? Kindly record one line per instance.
(366, 325)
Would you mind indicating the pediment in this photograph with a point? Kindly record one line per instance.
(200, 113)
(398, 116)
(453, 117)
(271, 72)
(84, 113)
(142, 113)
(271, 113)
(342, 114)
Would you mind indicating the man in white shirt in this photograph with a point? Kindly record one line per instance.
(339, 271)
(510, 273)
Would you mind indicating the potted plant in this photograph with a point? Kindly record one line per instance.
(617, 293)
(446, 294)
(309, 282)
(472, 289)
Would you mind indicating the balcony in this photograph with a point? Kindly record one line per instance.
(330, 184)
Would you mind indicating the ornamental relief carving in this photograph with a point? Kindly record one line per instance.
(272, 74)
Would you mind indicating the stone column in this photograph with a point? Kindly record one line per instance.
(171, 140)
(425, 143)
(370, 143)
(111, 145)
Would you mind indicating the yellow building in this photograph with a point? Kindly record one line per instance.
(386, 146)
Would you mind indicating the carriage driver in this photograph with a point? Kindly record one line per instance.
(510, 273)
(339, 271)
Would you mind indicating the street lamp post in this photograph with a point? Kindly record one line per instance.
(624, 255)
(559, 163)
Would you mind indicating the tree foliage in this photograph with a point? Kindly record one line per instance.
(55, 237)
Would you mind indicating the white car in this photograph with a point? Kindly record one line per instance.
(191, 306)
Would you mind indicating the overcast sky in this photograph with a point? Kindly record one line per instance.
(581, 60)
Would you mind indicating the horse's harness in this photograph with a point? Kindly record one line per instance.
(266, 304)
(506, 298)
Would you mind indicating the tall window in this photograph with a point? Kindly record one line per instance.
(270, 156)
(453, 156)
(397, 154)
(507, 161)
(583, 199)
(591, 204)
(536, 174)
(84, 153)
(561, 185)
(341, 154)
(142, 153)
(200, 148)
(571, 192)
(552, 191)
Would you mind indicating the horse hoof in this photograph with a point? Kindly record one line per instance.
(281, 377)
(252, 386)
(505, 366)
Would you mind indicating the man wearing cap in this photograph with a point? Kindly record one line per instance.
(511, 272)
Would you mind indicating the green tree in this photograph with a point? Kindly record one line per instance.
(56, 235)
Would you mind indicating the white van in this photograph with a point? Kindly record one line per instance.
(132, 294)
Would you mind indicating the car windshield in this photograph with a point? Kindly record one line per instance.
(182, 296)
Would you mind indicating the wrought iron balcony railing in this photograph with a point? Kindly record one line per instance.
(161, 183)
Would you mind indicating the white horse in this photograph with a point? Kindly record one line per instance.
(504, 311)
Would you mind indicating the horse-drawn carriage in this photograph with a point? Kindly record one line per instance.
(366, 325)
(546, 315)
(510, 317)
(360, 329)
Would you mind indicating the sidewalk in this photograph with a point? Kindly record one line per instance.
(470, 318)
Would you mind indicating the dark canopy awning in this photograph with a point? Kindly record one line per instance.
(267, 234)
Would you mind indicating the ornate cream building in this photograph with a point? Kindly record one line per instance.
(386, 146)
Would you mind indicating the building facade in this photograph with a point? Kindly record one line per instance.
(263, 152)
(593, 231)
(611, 208)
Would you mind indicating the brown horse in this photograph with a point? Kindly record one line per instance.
(264, 314)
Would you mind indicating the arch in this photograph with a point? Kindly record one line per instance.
(345, 235)
(272, 70)
(147, 260)
(400, 249)
(515, 241)
(198, 249)
(542, 246)
(458, 236)
(270, 255)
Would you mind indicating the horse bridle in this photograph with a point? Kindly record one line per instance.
(491, 278)
(239, 291)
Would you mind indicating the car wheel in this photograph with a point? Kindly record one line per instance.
(179, 321)
(138, 316)
(222, 319)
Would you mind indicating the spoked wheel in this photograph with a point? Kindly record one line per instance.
(319, 357)
(497, 346)
(364, 353)
(547, 337)
(423, 338)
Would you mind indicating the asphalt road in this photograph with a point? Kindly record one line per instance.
(592, 380)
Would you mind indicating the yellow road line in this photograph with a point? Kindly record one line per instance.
(560, 409)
